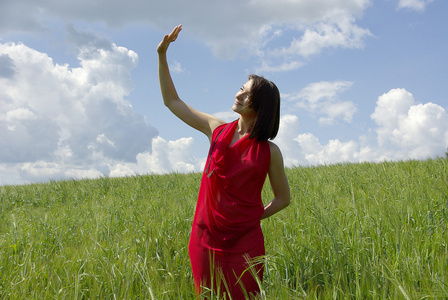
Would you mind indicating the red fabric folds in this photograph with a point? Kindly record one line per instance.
(226, 227)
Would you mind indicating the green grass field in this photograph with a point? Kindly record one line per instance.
(360, 231)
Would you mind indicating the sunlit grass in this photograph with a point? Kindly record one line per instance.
(357, 231)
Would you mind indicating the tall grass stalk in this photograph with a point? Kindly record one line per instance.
(361, 231)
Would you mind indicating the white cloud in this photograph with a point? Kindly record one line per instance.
(417, 5)
(269, 67)
(332, 32)
(335, 151)
(321, 98)
(404, 130)
(228, 28)
(288, 130)
(56, 121)
(41, 171)
(227, 116)
(19, 114)
(165, 157)
(305, 148)
(170, 156)
(261, 22)
(417, 130)
(390, 108)
(176, 67)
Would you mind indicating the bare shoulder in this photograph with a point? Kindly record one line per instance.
(273, 146)
(215, 123)
(276, 154)
(275, 150)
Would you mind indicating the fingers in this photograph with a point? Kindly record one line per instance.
(168, 39)
(173, 35)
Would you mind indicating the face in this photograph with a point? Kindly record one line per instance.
(241, 104)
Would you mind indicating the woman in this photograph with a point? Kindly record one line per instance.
(226, 236)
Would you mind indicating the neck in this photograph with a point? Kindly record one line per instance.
(245, 125)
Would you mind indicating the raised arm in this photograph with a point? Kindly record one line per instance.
(203, 122)
(279, 183)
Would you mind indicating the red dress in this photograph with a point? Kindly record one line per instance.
(226, 227)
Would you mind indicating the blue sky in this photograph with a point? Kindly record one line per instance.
(79, 97)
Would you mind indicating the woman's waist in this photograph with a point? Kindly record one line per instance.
(240, 240)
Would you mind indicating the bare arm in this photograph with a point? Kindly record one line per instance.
(203, 122)
(279, 183)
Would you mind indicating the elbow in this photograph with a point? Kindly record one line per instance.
(287, 199)
(170, 101)
(284, 201)
(167, 102)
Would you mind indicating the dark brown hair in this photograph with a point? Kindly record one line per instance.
(264, 99)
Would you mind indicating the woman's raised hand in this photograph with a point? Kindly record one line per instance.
(168, 39)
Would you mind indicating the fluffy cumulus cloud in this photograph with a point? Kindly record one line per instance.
(418, 130)
(305, 148)
(404, 129)
(165, 156)
(59, 122)
(417, 5)
(288, 131)
(229, 28)
(321, 99)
